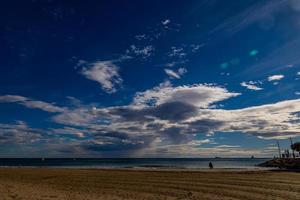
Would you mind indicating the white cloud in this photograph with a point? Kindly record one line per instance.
(251, 85)
(298, 73)
(275, 77)
(199, 95)
(174, 74)
(104, 72)
(166, 22)
(171, 73)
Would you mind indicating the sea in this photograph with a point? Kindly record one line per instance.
(149, 163)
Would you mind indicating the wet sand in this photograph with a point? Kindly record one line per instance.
(92, 184)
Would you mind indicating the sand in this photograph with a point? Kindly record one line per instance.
(75, 184)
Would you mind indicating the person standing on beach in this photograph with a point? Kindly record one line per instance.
(210, 165)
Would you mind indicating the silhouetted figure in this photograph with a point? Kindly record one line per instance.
(210, 165)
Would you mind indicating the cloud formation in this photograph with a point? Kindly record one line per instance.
(169, 119)
(164, 120)
(106, 73)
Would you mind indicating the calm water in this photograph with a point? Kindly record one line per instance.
(187, 163)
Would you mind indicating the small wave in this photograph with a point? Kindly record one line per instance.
(160, 166)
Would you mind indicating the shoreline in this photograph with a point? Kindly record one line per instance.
(165, 169)
(163, 164)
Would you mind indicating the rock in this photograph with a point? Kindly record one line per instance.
(282, 163)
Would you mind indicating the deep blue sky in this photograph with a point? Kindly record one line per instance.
(148, 78)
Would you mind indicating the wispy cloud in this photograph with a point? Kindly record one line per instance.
(171, 64)
(29, 103)
(196, 47)
(177, 52)
(255, 13)
(12, 98)
(191, 150)
(141, 37)
(277, 59)
(144, 52)
(106, 73)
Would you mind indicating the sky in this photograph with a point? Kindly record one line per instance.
(149, 78)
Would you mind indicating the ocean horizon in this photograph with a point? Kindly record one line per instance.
(114, 163)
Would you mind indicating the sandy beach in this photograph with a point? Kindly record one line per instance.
(92, 184)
